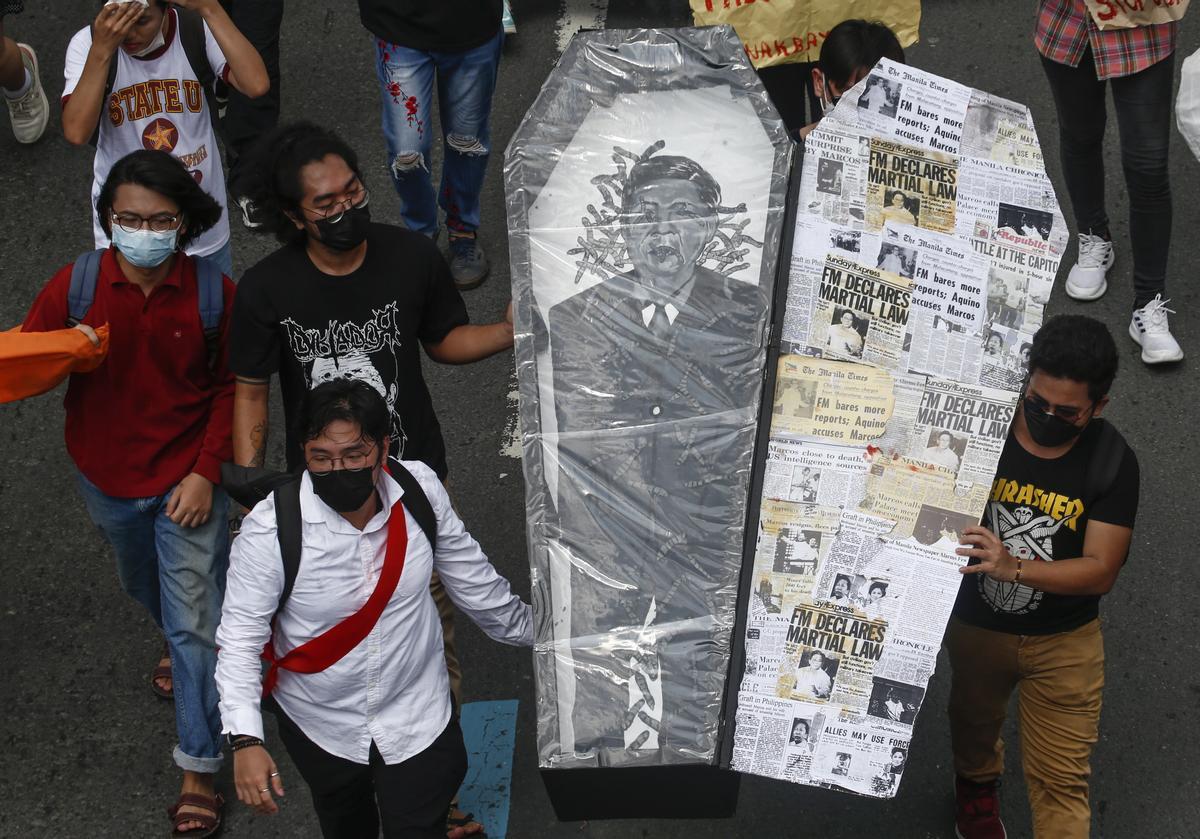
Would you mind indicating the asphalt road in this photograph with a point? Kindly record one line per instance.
(85, 747)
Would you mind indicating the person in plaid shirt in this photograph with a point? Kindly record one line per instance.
(1080, 60)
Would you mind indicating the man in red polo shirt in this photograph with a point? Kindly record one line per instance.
(148, 430)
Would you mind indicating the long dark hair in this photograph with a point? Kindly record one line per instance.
(275, 183)
(160, 172)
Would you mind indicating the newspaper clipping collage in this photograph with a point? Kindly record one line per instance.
(926, 244)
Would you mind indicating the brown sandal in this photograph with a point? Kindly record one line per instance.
(163, 671)
(210, 822)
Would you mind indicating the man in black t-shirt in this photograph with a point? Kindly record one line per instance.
(1055, 534)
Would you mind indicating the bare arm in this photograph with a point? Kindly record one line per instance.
(1104, 550)
(251, 414)
(247, 73)
(81, 111)
(471, 342)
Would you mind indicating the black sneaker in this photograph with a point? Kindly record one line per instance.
(468, 263)
(253, 216)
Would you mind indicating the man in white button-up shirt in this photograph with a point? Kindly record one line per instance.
(373, 733)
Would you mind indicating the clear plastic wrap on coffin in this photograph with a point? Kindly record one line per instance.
(646, 190)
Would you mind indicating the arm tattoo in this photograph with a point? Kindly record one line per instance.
(258, 440)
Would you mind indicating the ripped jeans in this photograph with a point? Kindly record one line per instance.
(465, 84)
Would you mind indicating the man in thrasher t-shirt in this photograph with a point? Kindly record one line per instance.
(156, 100)
(1055, 534)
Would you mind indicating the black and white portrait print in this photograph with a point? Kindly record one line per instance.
(881, 96)
(895, 701)
(1023, 221)
(897, 259)
(829, 176)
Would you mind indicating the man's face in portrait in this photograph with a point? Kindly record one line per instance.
(841, 588)
(666, 228)
(847, 320)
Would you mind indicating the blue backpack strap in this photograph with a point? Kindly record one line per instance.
(82, 292)
(210, 290)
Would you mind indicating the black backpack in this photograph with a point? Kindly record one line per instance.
(247, 485)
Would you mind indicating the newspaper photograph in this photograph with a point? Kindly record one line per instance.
(861, 313)
(814, 474)
(962, 428)
(910, 185)
(861, 758)
(830, 655)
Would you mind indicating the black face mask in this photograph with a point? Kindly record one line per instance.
(348, 232)
(344, 490)
(1047, 429)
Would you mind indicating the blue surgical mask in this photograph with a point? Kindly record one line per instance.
(145, 248)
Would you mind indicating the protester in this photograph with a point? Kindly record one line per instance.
(458, 46)
(148, 430)
(1056, 533)
(247, 119)
(371, 727)
(137, 65)
(20, 82)
(1080, 60)
(346, 298)
(848, 53)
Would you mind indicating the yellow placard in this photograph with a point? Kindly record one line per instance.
(792, 31)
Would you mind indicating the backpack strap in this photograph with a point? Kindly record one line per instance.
(415, 501)
(191, 38)
(289, 524)
(1105, 463)
(211, 292)
(288, 531)
(82, 292)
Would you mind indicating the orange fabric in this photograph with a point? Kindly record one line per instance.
(35, 362)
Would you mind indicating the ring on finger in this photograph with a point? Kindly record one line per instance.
(274, 774)
(265, 789)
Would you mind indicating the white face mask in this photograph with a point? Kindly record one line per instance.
(827, 105)
(158, 41)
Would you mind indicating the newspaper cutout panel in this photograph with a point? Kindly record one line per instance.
(813, 474)
(861, 757)
(1001, 130)
(910, 185)
(949, 299)
(834, 175)
(899, 489)
(1015, 208)
(830, 401)
(777, 737)
(815, 239)
(829, 655)
(962, 428)
(861, 313)
(907, 104)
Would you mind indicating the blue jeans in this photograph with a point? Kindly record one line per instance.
(178, 574)
(465, 84)
(223, 259)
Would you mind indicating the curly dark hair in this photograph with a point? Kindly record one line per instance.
(274, 183)
(1079, 348)
(163, 173)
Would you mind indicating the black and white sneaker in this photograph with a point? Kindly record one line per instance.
(253, 216)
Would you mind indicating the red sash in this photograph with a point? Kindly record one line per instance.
(330, 646)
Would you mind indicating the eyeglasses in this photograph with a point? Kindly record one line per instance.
(360, 196)
(159, 222)
(322, 464)
(1064, 412)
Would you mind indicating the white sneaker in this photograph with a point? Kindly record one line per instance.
(31, 112)
(1087, 280)
(1150, 329)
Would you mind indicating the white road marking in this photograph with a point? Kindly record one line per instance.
(511, 447)
(579, 14)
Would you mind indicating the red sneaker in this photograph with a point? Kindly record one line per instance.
(977, 810)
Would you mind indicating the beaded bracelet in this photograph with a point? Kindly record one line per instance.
(244, 742)
(1017, 578)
